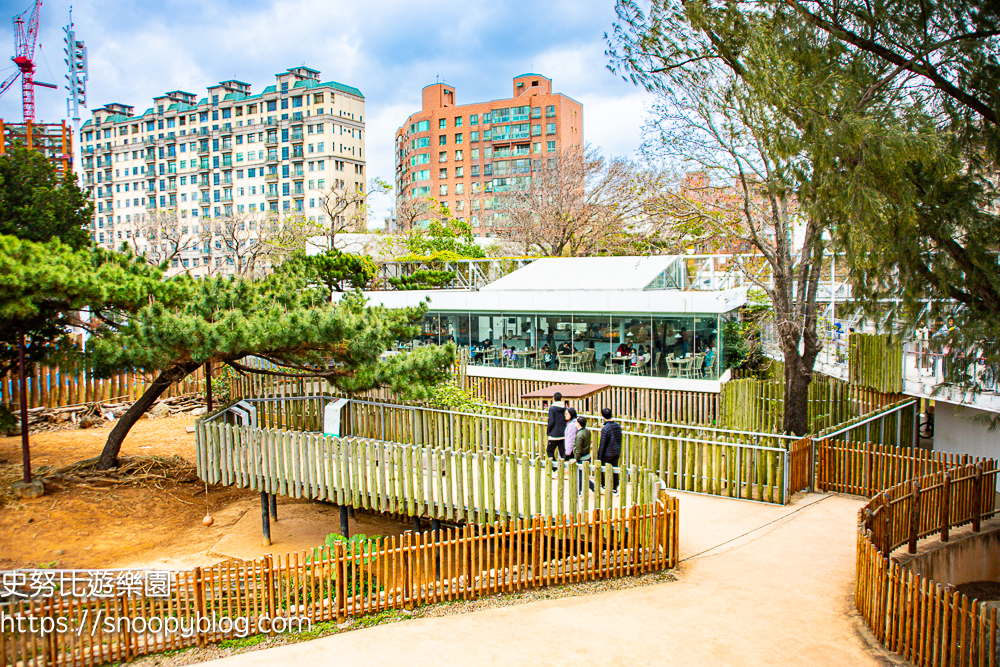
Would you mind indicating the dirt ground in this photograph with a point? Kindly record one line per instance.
(119, 527)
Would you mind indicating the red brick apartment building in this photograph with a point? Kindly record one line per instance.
(460, 155)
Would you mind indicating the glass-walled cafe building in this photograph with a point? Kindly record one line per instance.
(605, 315)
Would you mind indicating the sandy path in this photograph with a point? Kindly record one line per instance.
(762, 585)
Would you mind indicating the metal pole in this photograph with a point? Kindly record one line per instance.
(345, 529)
(23, 381)
(265, 519)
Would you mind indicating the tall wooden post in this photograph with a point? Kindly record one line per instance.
(23, 381)
(208, 385)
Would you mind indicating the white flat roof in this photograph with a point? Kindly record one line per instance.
(584, 273)
(566, 301)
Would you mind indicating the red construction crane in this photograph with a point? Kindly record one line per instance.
(24, 58)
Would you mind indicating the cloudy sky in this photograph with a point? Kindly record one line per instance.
(388, 48)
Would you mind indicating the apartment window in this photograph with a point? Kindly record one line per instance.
(458, 155)
(442, 123)
(550, 110)
(227, 113)
(458, 121)
(536, 147)
(296, 101)
(550, 146)
(443, 190)
(422, 142)
(474, 119)
(443, 156)
(272, 105)
(475, 153)
(317, 98)
(536, 112)
(536, 130)
(459, 188)
(550, 128)
(459, 172)
(458, 138)
(473, 137)
(443, 173)
(443, 140)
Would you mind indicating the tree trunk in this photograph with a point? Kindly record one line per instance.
(109, 455)
(797, 380)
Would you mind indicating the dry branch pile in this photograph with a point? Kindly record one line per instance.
(89, 415)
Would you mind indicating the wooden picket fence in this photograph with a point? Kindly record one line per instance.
(867, 468)
(681, 407)
(924, 621)
(301, 589)
(54, 387)
(410, 479)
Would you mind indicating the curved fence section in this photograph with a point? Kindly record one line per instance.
(925, 621)
(438, 482)
(292, 592)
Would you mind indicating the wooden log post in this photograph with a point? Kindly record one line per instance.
(945, 506)
(265, 519)
(274, 506)
(977, 499)
(914, 517)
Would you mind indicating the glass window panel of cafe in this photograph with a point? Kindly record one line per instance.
(594, 331)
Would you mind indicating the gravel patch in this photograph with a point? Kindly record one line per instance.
(230, 647)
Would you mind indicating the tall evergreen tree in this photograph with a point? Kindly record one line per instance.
(36, 205)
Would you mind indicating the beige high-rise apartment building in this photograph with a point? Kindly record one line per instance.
(461, 154)
(226, 161)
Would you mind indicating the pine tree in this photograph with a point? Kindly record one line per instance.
(279, 318)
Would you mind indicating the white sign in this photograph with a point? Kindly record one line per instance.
(331, 417)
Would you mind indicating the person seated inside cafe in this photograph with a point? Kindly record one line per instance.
(565, 347)
(622, 350)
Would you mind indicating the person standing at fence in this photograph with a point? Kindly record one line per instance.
(570, 433)
(609, 450)
(581, 451)
(556, 428)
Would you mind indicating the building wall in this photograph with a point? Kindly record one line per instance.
(449, 158)
(960, 429)
(229, 159)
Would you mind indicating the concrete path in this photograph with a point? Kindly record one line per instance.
(760, 585)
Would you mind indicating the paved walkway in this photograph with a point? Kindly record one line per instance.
(759, 585)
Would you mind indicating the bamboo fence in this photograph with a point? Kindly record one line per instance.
(752, 404)
(441, 483)
(734, 464)
(876, 361)
(924, 621)
(55, 387)
(298, 590)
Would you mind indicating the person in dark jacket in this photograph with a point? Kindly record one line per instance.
(556, 428)
(610, 449)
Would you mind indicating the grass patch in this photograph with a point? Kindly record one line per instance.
(243, 642)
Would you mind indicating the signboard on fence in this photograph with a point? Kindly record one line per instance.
(331, 417)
